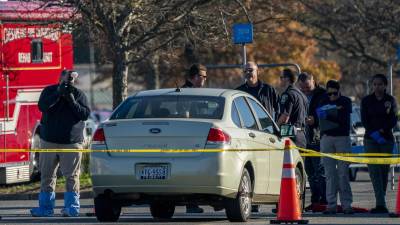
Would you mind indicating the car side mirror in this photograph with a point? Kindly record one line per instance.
(287, 130)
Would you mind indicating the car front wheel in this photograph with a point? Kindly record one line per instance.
(106, 209)
(239, 208)
(300, 187)
(162, 210)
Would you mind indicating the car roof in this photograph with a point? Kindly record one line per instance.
(188, 91)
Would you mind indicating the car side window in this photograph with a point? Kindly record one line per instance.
(245, 113)
(267, 125)
(235, 116)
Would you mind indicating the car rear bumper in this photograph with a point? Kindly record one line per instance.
(212, 173)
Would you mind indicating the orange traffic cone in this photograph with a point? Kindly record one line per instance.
(397, 212)
(289, 205)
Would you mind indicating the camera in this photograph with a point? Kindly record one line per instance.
(68, 81)
(71, 76)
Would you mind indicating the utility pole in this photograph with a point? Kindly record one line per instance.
(92, 69)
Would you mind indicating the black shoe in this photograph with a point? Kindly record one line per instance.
(348, 211)
(330, 212)
(379, 209)
(309, 207)
(255, 208)
(194, 209)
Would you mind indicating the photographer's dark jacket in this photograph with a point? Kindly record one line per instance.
(62, 121)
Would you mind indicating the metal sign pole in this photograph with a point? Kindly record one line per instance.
(390, 75)
(396, 138)
(244, 55)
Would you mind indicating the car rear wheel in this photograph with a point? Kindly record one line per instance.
(162, 210)
(106, 209)
(239, 208)
(300, 187)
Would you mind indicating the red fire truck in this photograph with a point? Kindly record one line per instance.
(34, 46)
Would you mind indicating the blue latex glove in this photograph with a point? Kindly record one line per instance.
(322, 114)
(377, 137)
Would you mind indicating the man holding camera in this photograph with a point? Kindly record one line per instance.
(64, 109)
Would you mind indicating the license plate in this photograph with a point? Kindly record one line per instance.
(154, 173)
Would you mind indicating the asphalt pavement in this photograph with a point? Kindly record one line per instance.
(17, 212)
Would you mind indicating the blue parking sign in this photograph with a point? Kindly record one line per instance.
(242, 33)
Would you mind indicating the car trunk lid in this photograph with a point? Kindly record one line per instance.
(155, 134)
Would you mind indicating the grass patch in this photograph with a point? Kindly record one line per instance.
(34, 187)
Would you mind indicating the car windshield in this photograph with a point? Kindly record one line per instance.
(202, 107)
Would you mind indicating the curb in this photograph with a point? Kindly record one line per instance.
(34, 196)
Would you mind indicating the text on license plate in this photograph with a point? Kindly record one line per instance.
(154, 172)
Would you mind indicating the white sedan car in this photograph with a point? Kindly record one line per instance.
(195, 119)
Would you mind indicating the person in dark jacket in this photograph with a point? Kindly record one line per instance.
(378, 115)
(263, 92)
(64, 109)
(196, 76)
(313, 165)
(293, 106)
(334, 113)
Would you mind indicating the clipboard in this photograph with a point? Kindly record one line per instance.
(325, 124)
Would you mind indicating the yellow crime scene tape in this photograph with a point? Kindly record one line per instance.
(364, 158)
(374, 158)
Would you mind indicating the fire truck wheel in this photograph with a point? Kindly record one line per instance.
(34, 159)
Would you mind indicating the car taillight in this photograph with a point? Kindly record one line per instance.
(216, 135)
(98, 137)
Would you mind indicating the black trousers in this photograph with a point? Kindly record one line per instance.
(316, 176)
(300, 140)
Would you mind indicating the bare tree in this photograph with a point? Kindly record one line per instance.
(133, 30)
(364, 30)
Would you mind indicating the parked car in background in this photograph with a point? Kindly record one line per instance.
(357, 140)
(196, 119)
(99, 116)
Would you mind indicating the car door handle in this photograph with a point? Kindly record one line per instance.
(252, 135)
(272, 140)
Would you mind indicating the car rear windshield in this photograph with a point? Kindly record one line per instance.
(202, 107)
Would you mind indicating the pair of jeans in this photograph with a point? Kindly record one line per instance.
(316, 176)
